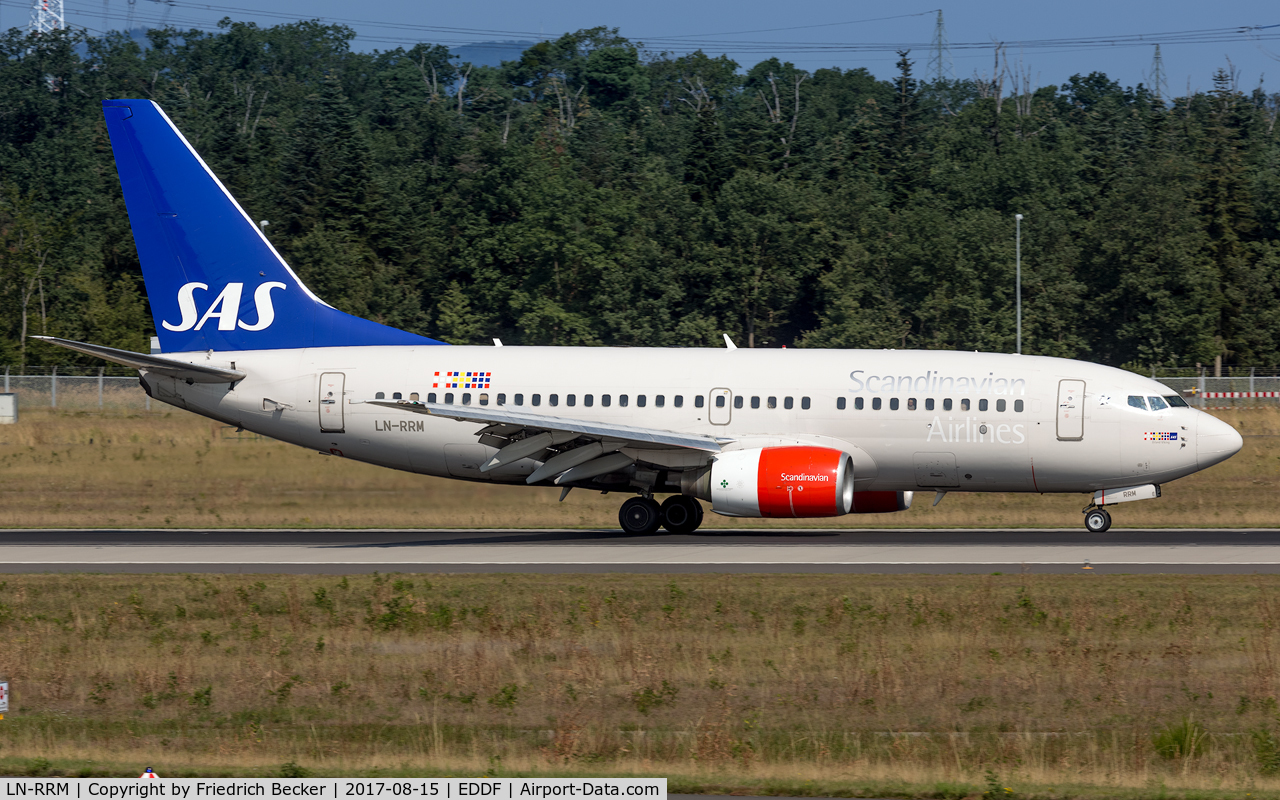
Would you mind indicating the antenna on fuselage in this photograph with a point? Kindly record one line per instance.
(729, 343)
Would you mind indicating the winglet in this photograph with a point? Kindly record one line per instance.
(729, 343)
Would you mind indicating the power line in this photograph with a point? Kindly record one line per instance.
(411, 34)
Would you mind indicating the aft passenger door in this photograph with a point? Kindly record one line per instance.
(1070, 410)
(331, 386)
(721, 410)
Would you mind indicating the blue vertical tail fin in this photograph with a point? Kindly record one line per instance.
(213, 279)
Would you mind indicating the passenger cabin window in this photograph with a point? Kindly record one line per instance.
(788, 403)
(772, 402)
(537, 399)
(622, 400)
(380, 396)
(857, 403)
(720, 401)
(679, 401)
(755, 402)
(804, 403)
(1000, 405)
(588, 400)
(502, 399)
(484, 398)
(893, 404)
(875, 404)
(964, 404)
(431, 397)
(466, 398)
(553, 399)
(840, 403)
(911, 404)
(448, 398)
(571, 400)
(1137, 402)
(659, 400)
(519, 399)
(1018, 406)
(697, 402)
(1157, 404)
(640, 401)
(928, 404)
(737, 401)
(946, 404)
(397, 396)
(606, 400)
(413, 397)
(982, 405)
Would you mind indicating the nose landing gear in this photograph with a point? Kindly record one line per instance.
(1096, 520)
(642, 516)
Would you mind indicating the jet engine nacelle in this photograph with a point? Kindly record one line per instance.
(782, 482)
(791, 482)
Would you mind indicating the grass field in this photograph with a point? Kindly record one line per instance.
(1052, 686)
(174, 469)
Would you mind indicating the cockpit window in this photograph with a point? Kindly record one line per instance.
(1137, 402)
(1157, 404)
(1175, 401)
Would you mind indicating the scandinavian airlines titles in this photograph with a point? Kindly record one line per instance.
(934, 382)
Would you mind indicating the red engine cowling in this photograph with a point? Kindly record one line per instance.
(782, 482)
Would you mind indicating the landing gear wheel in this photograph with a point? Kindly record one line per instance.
(681, 514)
(640, 516)
(1097, 521)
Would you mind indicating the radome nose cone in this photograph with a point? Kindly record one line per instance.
(1216, 441)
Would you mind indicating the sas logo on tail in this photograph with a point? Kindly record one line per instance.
(225, 308)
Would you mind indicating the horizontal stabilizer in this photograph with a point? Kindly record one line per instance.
(195, 373)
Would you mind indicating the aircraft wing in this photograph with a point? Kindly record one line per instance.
(506, 423)
(558, 443)
(171, 367)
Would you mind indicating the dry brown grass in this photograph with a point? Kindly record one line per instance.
(1046, 680)
(174, 469)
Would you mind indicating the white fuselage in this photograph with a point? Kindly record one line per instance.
(911, 419)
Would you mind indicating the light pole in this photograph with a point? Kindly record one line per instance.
(1018, 248)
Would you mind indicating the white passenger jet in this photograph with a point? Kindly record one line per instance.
(754, 433)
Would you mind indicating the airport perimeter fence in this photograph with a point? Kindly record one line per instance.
(76, 389)
(88, 389)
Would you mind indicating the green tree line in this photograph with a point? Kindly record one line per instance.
(592, 193)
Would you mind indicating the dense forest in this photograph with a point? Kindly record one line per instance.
(592, 193)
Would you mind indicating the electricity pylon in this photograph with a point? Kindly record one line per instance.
(940, 66)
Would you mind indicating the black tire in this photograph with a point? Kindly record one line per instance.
(640, 516)
(1097, 521)
(681, 514)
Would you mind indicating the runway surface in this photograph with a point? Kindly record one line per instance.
(1206, 551)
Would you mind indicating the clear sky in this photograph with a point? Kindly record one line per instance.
(1053, 40)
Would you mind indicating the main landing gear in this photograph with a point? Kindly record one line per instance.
(642, 516)
(1096, 520)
